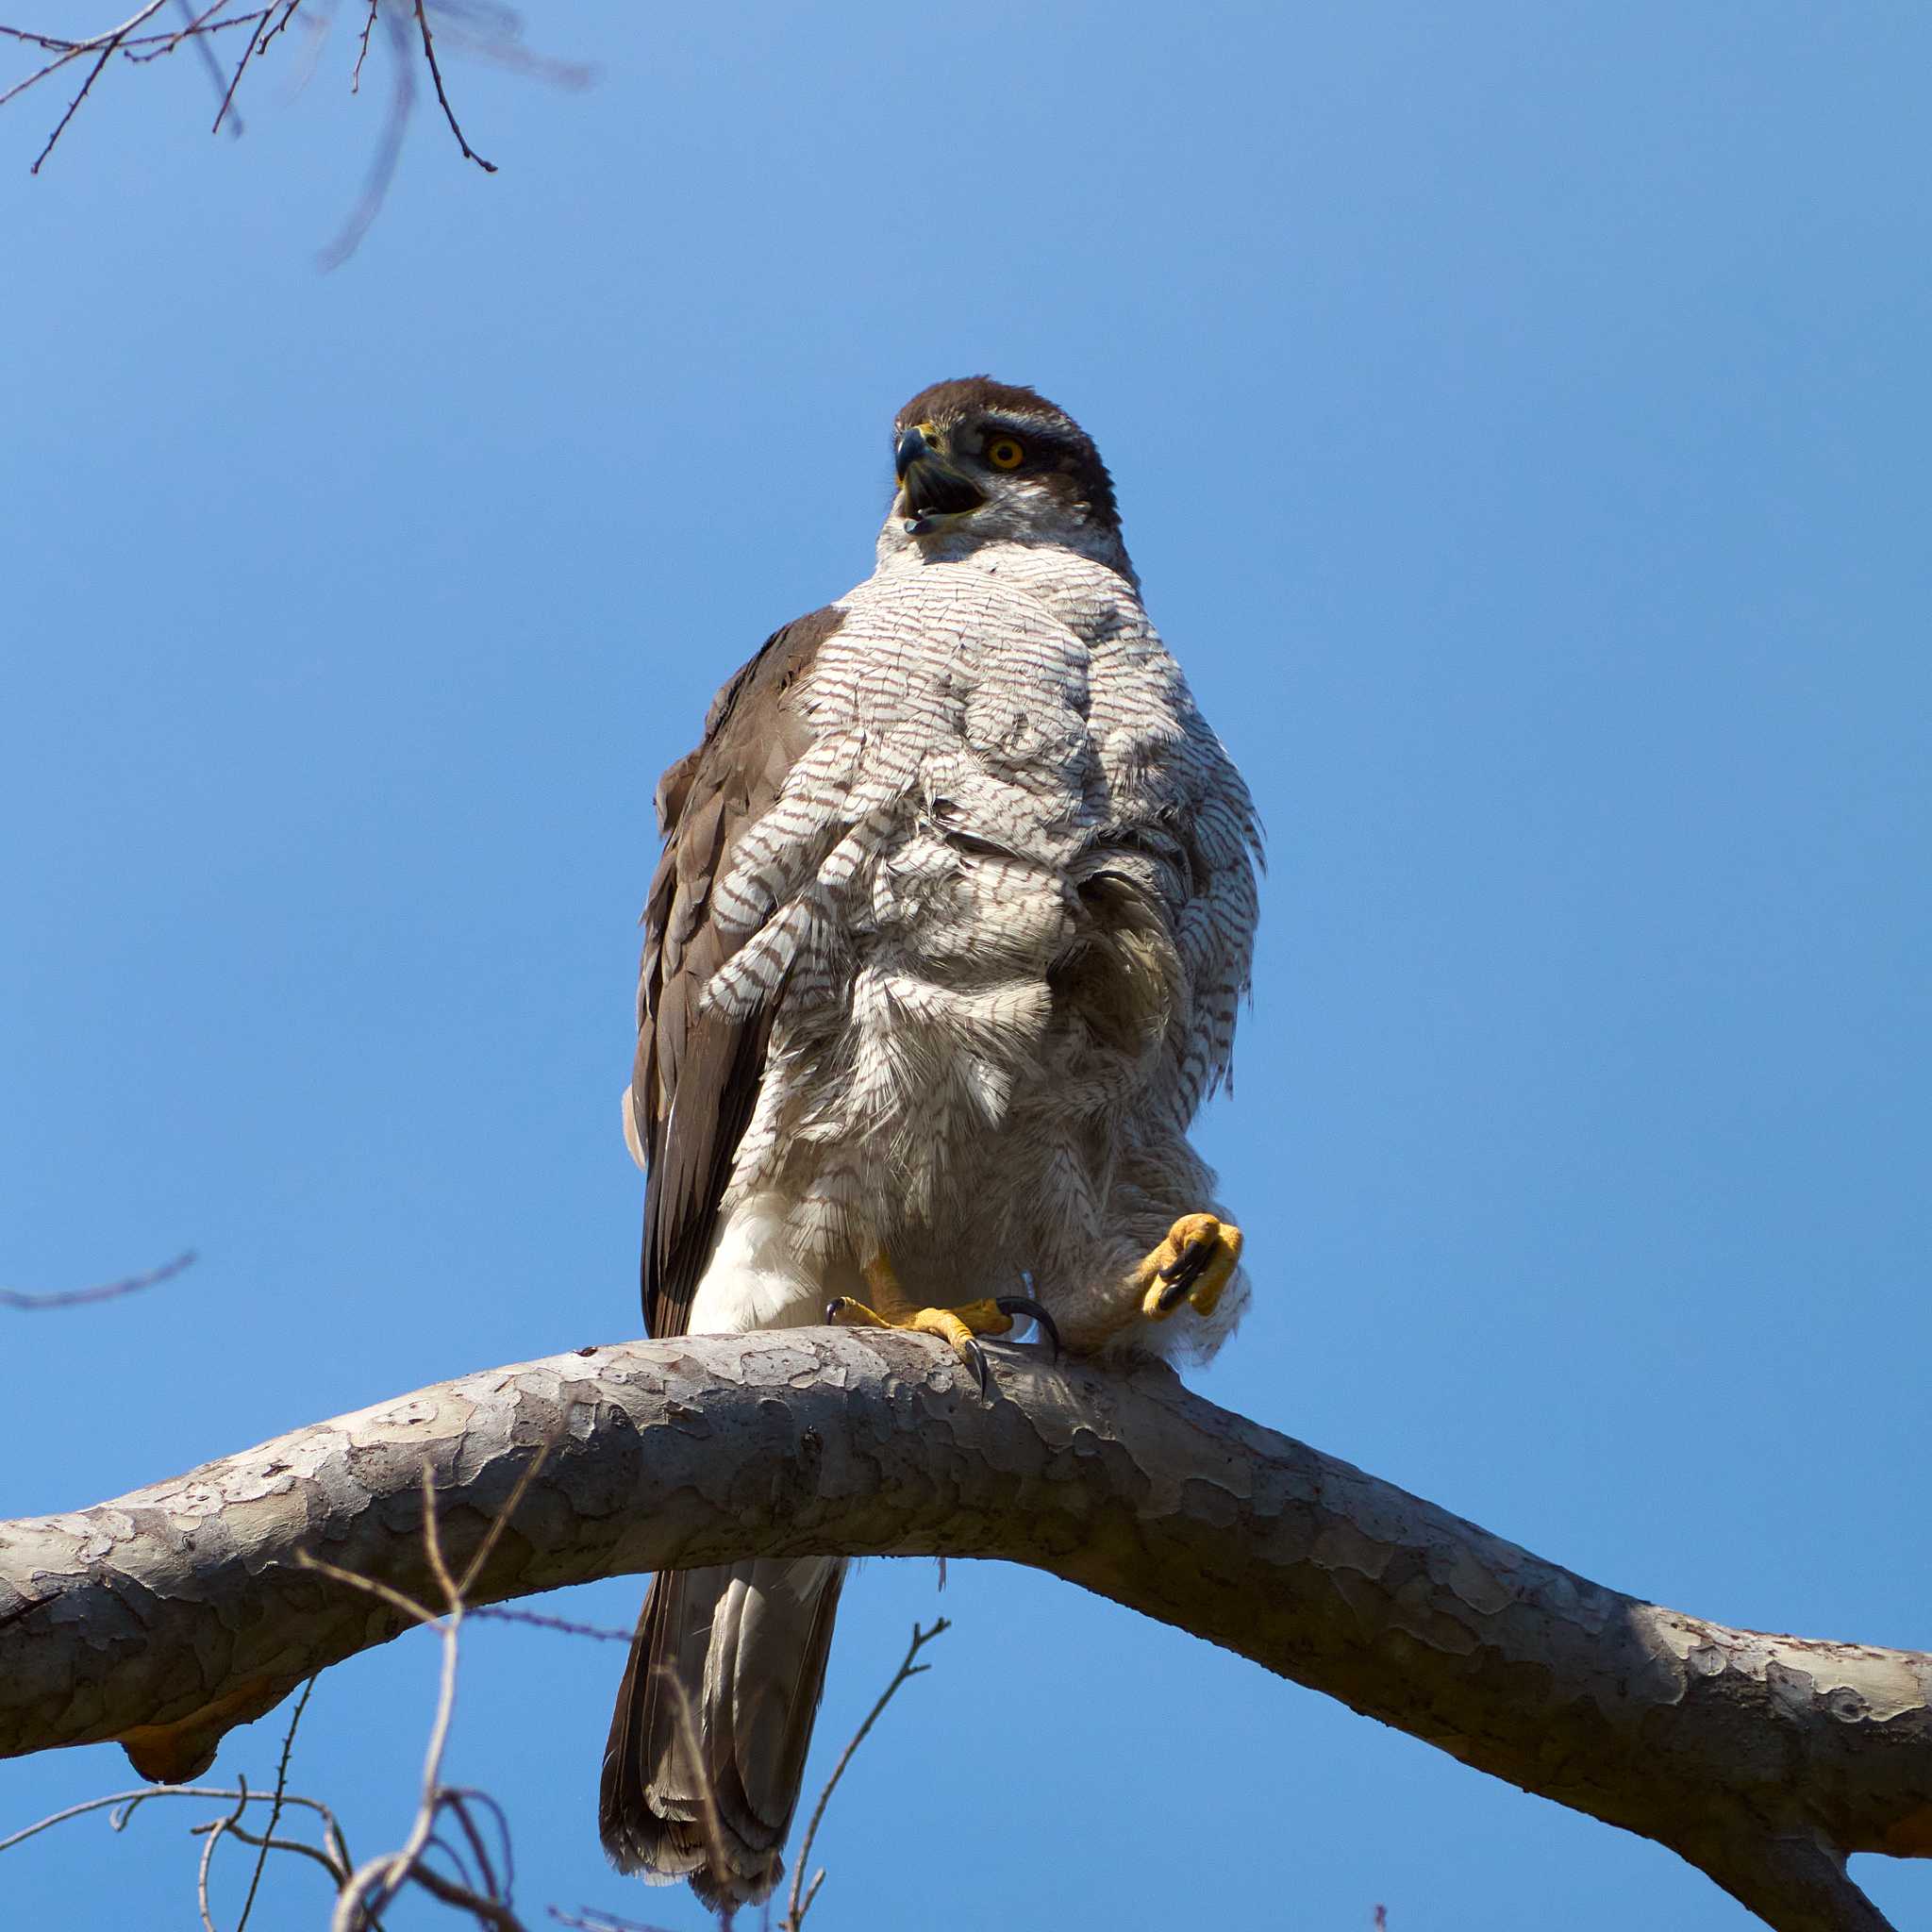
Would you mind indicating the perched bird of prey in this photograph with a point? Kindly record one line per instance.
(956, 905)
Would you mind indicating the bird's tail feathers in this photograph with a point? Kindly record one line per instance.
(714, 1717)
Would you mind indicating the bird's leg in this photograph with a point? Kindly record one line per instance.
(1194, 1264)
(892, 1307)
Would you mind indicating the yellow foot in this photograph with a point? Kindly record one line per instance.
(958, 1327)
(1192, 1265)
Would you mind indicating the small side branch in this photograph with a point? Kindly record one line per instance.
(449, 114)
(795, 1905)
(490, 33)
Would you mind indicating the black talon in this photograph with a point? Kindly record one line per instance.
(832, 1308)
(976, 1357)
(1182, 1272)
(1026, 1305)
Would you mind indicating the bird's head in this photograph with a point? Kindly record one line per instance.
(981, 461)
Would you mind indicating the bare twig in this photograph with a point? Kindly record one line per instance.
(449, 114)
(254, 44)
(104, 1291)
(389, 145)
(795, 1907)
(485, 1910)
(332, 1856)
(488, 32)
(362, 48)
(289, 9)
(363, 1891)
(274, 1816)
(372, 1885)
(205, 54)
(213, 1831)
(122, 1805)
(589, 1919)
(604, 1633)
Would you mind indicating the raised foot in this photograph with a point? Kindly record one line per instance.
(1194, 1264)
(959, 1327)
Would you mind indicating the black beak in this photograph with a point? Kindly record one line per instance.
(910, 447)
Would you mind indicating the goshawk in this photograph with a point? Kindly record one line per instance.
(956, 905)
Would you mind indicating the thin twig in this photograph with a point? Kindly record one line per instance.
(606, 1633)
(389, 150)
(491, 1911)
(407, 1605)
(796, 1906)
(289, 10)
(339, 1872)
(274, 1815)
(362, 50)
(375, 1883)
(203, 52)
(249, 50)
(470, 154)
(372, 1885)
(589, 1919)
(103, 44)
(105, 1292)
(485, 32)
(124, 1802)
(460, 1799)
(214, 1831)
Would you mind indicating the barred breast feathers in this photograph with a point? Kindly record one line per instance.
(1007, 777)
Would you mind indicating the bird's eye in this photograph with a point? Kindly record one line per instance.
(1006, 452)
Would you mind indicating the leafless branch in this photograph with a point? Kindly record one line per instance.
(449, 114)
(332, 1855)
(104, 1291)
(120, 1806)
(1762, 1759)
(604, 1633)
(388, 152)
(274, 1816)
(204, 53)
(362, 48)
(476, 27)
(250, 48)
(362, 1892)
(795, 1908)
(211, 1835)
(589, 1919)
(374, 1884)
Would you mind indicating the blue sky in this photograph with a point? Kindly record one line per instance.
(1520, 417)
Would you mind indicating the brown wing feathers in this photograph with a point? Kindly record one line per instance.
(698, 1072)
(693, 1093)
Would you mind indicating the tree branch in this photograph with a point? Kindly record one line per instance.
(168, 1616)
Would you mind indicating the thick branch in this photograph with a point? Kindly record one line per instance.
(168, 1616)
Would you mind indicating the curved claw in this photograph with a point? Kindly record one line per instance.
(1181, 1274)
(1173, 1293)
(832, 1308)
(1026, 1305)
(976, 1358)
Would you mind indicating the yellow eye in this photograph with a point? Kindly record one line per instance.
(1006, 452)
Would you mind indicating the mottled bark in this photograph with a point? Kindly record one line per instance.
(170, 1615)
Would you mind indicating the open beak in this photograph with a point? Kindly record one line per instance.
(933, 487)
